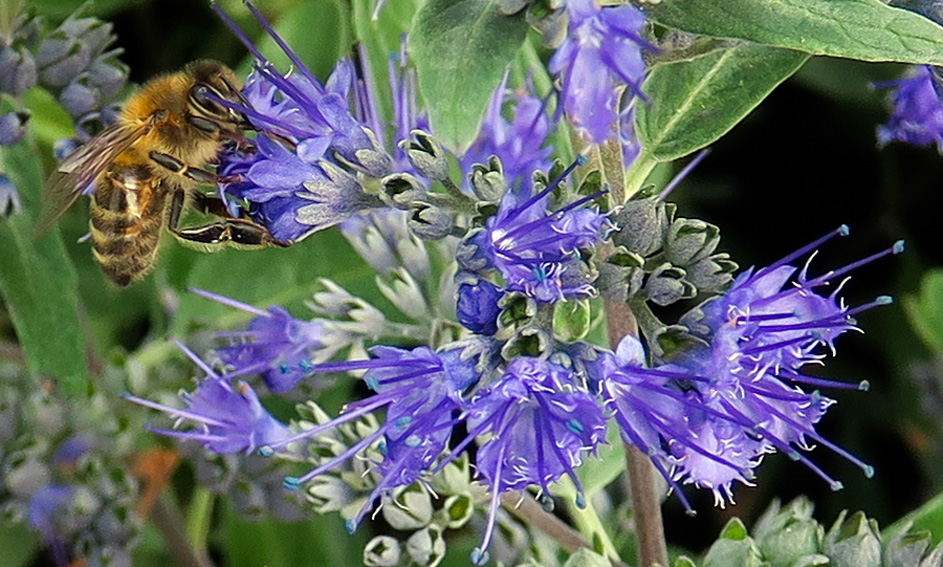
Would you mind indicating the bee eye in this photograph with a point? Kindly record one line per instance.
(201, 97)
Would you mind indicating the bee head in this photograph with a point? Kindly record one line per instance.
(215, 85)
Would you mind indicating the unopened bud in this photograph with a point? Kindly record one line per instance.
(17, 71)
(12, 127)
(426, 154)
(429, 222)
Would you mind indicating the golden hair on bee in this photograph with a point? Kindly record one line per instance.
(145, 169)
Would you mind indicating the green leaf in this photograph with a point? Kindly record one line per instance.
(867, 30)
(598, 473)
(461, 48)
(694, 102)
(38, 281)
(273, 543)
(925, 310)
(382, 37)
(326, 20)
(928, 517)
(19, 544)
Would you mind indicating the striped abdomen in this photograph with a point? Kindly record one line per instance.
(125, 220)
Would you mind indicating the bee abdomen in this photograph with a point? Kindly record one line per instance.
(125, 246)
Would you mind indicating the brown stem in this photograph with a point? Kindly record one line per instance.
(169, 522)
(649, 529)
(527, 509)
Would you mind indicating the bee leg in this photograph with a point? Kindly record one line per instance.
(175, 165)
(230, 231)
(211, 205)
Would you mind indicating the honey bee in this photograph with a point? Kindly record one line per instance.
(144, 169)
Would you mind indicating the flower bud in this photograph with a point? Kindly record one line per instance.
(477, 307)
(690, 240)
(400, 190)
(642, 226)
(426, 546)
(488, 182)
(79, 97)
(17, 71)
(666, 285)
(69, 49)
(12, 127)
(108, 74)
(382, 551)
(734, 547)
(853, 542)
(426, 154)
(429, 222)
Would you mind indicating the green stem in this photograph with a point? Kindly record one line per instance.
(589, 524)
(638, 172)
(199, 517)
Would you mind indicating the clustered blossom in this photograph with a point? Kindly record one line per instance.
(520, 142)
(229, 418)
(706, 418)
(301, 176)
(601, 57)
(916, 111)
(536, 250)
(532, 411)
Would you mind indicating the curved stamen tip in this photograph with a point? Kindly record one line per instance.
(898, 247)
(580, 160)
(691, 513)
(125, 395)
(883, 300)
(351, 526)
(266, 451)
(836, 486)
(478, 557)
(291, 483)
(864, 386)
(868, 471)
(581, 500)
(794, 455)
(844, 230)
(546, 503)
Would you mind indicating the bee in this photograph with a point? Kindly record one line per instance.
(145, 168)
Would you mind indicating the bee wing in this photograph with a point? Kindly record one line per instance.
(83, 167)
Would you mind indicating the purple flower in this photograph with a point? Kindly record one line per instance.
(540, 423)
(406, 114)
(290, 180)
(519, 144)
(601, 54)
(41, 515)
(274, 344)
(536, 251)
(477, 307)
(291, 197)
(916, 111)
(709, 415)
(227, 418)
(421, 390)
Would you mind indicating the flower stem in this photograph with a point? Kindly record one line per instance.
(649, 529)
(588, 522)
(528, 510)
(199, 517)
(169, 523)
(638, 172)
